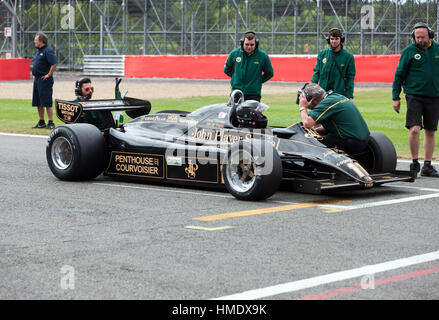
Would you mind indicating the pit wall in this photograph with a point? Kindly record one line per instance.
(370, 68)
(14, 69)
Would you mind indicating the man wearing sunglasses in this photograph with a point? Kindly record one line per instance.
(84, 91)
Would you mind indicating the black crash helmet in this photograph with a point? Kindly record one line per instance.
(249, 114)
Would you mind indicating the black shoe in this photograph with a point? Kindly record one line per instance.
(40, 125)
(429, 171)
(415, 166)
(50, 125)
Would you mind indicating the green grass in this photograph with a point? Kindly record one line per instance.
(376, 106)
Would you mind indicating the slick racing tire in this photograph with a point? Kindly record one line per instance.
(380, 155)
(252, 170)
(76, 152)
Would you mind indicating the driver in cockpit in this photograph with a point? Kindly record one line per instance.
(249, 114)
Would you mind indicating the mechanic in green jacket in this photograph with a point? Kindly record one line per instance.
(335, 117)
(418, 74)
(84, 91)
(249, 67)
(335, 67)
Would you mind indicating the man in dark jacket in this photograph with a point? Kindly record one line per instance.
(335, 67)
(249, 67)
(417, 73)
(44, 64)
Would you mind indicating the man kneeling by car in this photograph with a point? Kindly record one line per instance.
(334, 117)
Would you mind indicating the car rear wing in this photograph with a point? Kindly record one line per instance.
(70, 111)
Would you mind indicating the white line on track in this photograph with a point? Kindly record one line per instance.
(23, 135)
(330, 278)
(418, 188)
(410, 161)
(385, 202)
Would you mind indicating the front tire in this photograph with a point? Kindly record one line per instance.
(252, 170)
(76, 152)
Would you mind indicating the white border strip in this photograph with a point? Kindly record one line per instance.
(330, 278)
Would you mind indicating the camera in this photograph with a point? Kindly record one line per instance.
(308, 98)
(298, 96)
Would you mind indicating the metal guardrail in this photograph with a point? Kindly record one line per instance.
(105, 65)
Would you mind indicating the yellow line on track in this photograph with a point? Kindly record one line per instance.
(230, 215)
(208, 229)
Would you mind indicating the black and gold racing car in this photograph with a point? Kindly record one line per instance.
(225, 145)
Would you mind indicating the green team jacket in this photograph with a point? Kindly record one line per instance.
(327, 75)
(417, 71)
(340, 117)
(248, 72)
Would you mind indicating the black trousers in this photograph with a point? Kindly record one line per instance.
(350, 146)
(256, 97)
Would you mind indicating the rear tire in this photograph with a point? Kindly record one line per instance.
(380, 155)
(252, 170)
(76, 152)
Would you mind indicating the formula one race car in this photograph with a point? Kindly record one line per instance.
(222, 145)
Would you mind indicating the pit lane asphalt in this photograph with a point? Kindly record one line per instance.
(131, 241)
